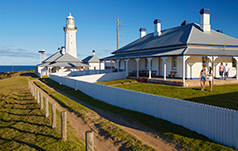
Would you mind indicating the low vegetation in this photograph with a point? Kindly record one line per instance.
(178, 135)
(225, 96)
(4, 75)
(22, 124)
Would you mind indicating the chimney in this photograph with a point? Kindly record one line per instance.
(93, 52)
(142, 32)
(205, 20)
(59, 48)
(62, 50)
(157, 27)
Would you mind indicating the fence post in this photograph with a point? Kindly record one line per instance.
(64, 125)
(53, 107)
(46, 107)
(34, 92)
(31, 90)
(89, 141)
(41, 101)
(38, 95)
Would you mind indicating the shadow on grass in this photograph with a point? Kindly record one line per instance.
(16, 121)
(29, 132)
(31, 74)
(21, 142)
(226, 100)
(26, 114)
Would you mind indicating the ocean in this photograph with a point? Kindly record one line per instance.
(15, 68)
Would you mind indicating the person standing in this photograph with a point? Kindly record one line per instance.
(210, 77)
(203, 77)
(221, 70)
(226, 70)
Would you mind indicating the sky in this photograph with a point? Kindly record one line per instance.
(27, 26)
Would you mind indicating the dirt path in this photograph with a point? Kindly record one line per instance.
(149, 137)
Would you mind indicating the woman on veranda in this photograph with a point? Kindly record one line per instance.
(210, 77)
(203, 77)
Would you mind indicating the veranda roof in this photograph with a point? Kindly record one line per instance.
(176, 52)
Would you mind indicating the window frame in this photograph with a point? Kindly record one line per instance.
(174, 64)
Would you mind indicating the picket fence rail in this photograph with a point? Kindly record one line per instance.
(218, 124)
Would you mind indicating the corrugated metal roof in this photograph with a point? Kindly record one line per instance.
(92, 58)
(173, 36)
(65, 64)
(148, 54)
(192, 51)
(53, 57)
(187, 34)
(58, 60)
(59, 57)
(212, 38)
(67, 58)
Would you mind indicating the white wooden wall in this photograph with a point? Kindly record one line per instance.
(218, 124)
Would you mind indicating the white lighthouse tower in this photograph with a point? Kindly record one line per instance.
(70, 36)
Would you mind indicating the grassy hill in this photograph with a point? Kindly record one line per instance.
(22, 125)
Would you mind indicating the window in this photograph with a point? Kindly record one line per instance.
(174, 63)
(146, 63)
(233, 62)
(204, 61)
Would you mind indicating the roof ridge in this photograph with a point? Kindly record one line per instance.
(191, 30)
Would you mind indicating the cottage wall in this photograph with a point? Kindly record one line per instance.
(155, 64)
(95, 66)
(132, 65)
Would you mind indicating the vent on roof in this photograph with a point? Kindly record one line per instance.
(93, 52)
(62, 50)
(142, 32)
(219, 31)
(184, 23)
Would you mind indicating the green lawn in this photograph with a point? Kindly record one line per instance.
(223, 96)
(22, 124)
(178, 135)
(120, 81)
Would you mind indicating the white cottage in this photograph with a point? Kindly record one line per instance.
(180, 51)
(93, 62)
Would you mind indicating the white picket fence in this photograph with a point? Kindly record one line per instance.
(218, 124)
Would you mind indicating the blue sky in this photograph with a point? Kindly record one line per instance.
(28, 25)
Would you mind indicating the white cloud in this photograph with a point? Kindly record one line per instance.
(17, 52)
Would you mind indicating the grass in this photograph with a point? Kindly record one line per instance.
(120, 81)
(225, 96)
(22, 125)
(117, 134)
(176, 134)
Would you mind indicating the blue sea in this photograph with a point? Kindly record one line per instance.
(15, 68)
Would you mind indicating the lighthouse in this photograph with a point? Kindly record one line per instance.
(70, 36)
